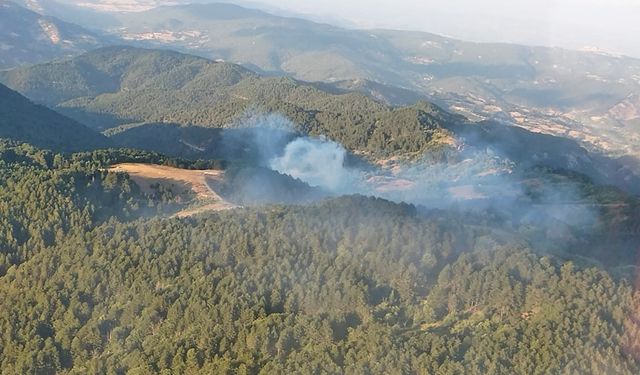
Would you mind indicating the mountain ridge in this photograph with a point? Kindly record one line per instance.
(27, 37)
(568, 92)
(552, 90)
(183, 103)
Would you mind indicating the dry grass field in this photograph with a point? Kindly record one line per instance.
(146, 175)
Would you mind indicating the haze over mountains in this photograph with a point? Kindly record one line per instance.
(574, 24)
(487, 80)
(27, 37)
(588, 97)
(177, 104)
(591, 97)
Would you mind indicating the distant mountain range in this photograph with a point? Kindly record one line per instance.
(587, 96)
(119, 87)
(27, 37)
(178, 104)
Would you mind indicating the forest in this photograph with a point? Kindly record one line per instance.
(98, 277)
(257, 187)
(522, 258)
(185, 106)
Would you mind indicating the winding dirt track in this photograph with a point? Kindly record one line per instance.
(145, 175)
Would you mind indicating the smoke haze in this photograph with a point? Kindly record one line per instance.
(318, 162)
(479, 179)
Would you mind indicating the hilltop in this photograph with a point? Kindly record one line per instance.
(116, 86)
(186, 105)
(557, 91)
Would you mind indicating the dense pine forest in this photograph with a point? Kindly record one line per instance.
(97, 277)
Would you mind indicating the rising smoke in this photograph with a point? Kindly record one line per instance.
(318, 162)
(478, 179)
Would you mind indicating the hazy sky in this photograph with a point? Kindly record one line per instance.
(611, 25)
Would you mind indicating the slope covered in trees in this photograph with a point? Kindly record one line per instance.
(177, 104)
(93, 280)
(45, 196)
(349, 286)
(24, 121)
(120, 85)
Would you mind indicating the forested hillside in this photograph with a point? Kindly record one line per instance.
(120, 85)
(355, 285)
(177, 104)
(46, 196)
(24, 121)
(95, 278)
(164, 213)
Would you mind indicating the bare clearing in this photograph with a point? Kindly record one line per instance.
(146, 175)
(465, 192)
(385, 184)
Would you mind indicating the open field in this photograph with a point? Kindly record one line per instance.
(146, 175)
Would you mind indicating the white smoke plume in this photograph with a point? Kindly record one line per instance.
(318, 162)
(476, 179)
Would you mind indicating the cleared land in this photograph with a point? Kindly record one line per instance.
(146, 175)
